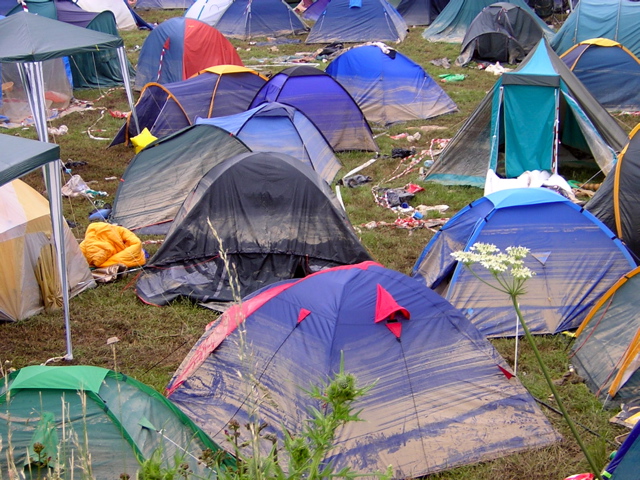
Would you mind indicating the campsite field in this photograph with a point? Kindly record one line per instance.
(153, 341)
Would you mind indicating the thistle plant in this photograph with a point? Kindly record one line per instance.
(510, 275)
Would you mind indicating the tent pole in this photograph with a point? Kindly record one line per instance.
(122, 57)
(556, 134)
(32, 78)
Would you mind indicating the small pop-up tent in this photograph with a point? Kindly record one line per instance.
(388, 86)
(609, 71)
(213, 92)
(617, 201)
(77, 412)
(358, 21)
(454, 20)
(276, 127)
(607, 343)
(275, 219)
(246, 19)
(566, 283)
(502, 32)
(616, 20)
(181, 47)
(420, 12)
(325, 102)
(158, 179)
(521, 123)
(441, 396)
(29, 270)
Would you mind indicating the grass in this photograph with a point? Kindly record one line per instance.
(153, 341)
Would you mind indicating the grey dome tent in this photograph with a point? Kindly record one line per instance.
(502, 32)
(452, 23)
(275, 218)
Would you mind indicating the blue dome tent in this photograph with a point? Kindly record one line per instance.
(388, 86)
(574, 256)
(358, 21)
(325, 102)
(442, 396)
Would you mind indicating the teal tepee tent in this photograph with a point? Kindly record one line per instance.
(522, 121)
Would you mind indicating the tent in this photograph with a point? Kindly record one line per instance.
(521, 123)
(57, 84)
(28, 40)
(609, 71)
(214, 92)
(442, 396)
(181, 47)
(275, 219)
(420, 12)
(454, 20)
(574, 256)
(358, 21)
(325, 102)
(120, 421)
(624, 465)
(607, 343)
(163, 4)
(126, 18)
(158, 179)
(617, 201)
(502, 32)
(207, 11)
(246, 19)
(613, 19)
(388, 86)
(275, 127)
(98, 69)
(29, 271)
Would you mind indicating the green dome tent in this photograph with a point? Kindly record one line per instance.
(98, 419)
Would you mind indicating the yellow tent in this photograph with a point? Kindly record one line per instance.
(30, 280)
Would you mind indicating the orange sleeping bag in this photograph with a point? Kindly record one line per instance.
(105, 244)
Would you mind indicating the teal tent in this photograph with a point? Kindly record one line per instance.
(94, 422)
(522, 121)
(613, 19)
